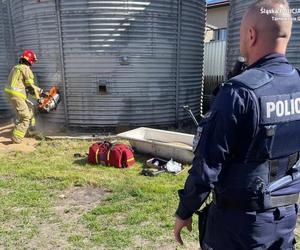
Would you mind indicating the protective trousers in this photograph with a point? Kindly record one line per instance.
(238, 230)
(24, 111)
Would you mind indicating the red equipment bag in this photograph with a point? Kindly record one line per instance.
(98, 153)
(105, 153)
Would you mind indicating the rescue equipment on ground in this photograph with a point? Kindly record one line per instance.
(156, 166)
(161, 143)
(108, 154)
(49, 100)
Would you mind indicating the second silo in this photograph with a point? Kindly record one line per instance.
(117, 62)
(5, 56)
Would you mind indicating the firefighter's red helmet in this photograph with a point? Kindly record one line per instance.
(30, 56)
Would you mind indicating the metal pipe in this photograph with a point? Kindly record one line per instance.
(179, 13)
(190, 112)
(62, 62)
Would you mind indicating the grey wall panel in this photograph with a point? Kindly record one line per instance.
(214, 69)
(214, 58)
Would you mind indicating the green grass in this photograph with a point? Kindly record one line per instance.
(135, 212)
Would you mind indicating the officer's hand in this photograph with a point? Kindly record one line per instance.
(179, 224)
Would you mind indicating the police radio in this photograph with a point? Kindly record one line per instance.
(237, 69)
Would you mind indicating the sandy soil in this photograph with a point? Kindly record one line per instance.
(28, 145)
(72, 203)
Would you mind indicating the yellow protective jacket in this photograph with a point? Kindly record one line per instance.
(19, 79)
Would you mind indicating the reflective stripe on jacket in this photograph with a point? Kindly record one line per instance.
(19, 78)
(16, 92)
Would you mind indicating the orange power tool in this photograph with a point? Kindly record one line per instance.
(49, 100)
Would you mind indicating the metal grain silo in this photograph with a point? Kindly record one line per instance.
(117, 62)
(35, 26)
(5, 56)
(237, 10)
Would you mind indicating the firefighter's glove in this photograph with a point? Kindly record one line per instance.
(40, 101)
(37, 91)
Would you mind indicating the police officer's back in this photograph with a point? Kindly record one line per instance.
(249, 147)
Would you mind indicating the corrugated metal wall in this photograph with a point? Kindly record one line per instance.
(191, 55)
(214, 69)
(214, 58)
(129, 47)
(4, 57)
(119, 62)
(237, 10)
(35, 27)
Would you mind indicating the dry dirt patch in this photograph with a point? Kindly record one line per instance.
(28, 145)
(74, 201)
(70, 206)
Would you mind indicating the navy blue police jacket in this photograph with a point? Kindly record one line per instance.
(229, 127)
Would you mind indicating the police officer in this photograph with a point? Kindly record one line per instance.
(248, 152)
(20, 82)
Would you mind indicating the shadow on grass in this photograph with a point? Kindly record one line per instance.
(82, 162)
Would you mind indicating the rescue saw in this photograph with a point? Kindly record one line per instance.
(49, 100)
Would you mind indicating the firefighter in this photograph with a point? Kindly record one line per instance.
(20, 83)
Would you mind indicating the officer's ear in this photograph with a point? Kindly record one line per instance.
(252, 36)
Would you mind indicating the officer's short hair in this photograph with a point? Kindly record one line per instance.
(280, 18)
